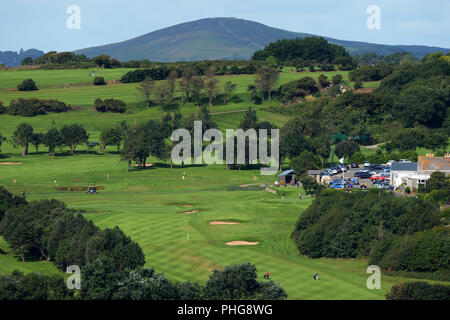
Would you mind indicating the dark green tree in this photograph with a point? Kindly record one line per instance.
(74, 135)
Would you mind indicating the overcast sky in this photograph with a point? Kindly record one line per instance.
(41, 24)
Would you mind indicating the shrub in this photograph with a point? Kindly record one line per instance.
(345, 225)
(33, 107)
(110, 105)
(425, 251)
(159, 73)
(99, 81)
(27, 85)
(358, 85)
(418, 291)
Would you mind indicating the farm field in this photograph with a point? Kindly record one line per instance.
(170, 217)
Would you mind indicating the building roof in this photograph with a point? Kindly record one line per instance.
(314, 172)
(434, 164)
(287, 172)
(404, 166)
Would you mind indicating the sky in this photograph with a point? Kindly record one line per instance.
(42, 24)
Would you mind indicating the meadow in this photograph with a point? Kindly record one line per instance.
(169, 216)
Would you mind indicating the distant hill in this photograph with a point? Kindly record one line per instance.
(13, 59)
(224, 39)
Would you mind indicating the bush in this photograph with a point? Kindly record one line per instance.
(425, 251)
(27, 85)
(298, 89)
(358, 85)
(33, 107)
(346, 225)
(99, 81)
(371, 73)
(156, 73)
(110, 105)
(418, 291)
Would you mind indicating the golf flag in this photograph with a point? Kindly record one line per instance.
(341, 160)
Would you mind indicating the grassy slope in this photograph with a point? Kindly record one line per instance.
(46, 78)
(148, 204)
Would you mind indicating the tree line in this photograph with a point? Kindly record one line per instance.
(398, 234)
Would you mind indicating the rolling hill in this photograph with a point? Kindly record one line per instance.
(223, 39)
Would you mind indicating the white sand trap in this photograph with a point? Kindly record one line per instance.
(241, 243)
(189, 212)
(222, 222)
(11, 163)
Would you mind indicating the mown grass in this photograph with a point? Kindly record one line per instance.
(149, 205)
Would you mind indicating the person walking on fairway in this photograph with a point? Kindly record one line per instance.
(267, 276)
(300, 196)
(316, 276)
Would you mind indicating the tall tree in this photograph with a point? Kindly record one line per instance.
(36, 140)
(228, 90)
(145, 89)
(265, 80)
(211, 83)
(112, 136)
(53, 139)
(74, 135)
(22, 137)
(185, 83)
(172, 81)
(197, 84)
(163, 94)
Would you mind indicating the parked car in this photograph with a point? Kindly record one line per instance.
(376, 167)
(377, 178)
(326, 172)
(404, 161)
(363, 174)
(383, 186)
(336, 169)
(367, 164)
(339, 186)
(355, 165)
(389, 163)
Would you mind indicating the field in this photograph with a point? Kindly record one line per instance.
(151, 205)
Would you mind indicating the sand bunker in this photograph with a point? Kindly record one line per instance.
(222, 222)
(10, 162)
(241, 243)
(146, 165)
(189, 212)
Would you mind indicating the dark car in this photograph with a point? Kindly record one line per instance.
(363, 175)
(355, 165)
(376, 167)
